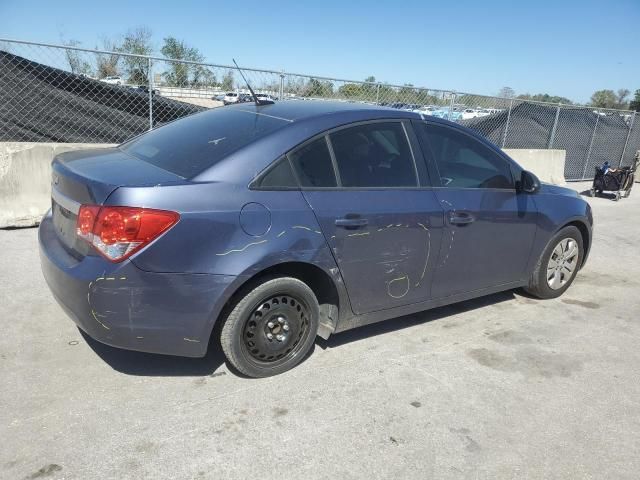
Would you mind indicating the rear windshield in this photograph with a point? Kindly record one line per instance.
(192, 144)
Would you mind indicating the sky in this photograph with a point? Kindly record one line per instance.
(568, 48)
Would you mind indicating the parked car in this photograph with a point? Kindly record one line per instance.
(443, 112)
(231, 97)
(268, 225)
(469, 113)
(427, 110)
(265, 97)
(145, 89)
(113, 80)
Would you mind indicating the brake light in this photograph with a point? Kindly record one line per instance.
(119, 232)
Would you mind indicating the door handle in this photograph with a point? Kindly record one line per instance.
(351, 223)
(461, 218)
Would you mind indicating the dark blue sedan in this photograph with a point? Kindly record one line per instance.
(285, 221)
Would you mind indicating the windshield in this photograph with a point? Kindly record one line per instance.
(192, 144)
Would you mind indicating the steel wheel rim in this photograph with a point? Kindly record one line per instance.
(563, 263)
(276, 329)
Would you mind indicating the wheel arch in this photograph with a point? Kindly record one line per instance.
(585, 232)
(328, 291)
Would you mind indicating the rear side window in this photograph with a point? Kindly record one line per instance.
(192, 144)
(280, 176)
(374, 155)
(313, 164)
(464, 162)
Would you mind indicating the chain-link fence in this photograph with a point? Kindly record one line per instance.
(52, 93)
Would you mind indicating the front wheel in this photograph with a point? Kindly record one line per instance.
(558, 265)
(272, 328)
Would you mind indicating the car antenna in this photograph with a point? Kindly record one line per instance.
(255, 99)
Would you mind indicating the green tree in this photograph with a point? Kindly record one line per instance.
(350, 90)
(622, 94)
(506, 92)
(181, 74)
(137, 41)
(108, 64)
(635, 103)
(604, 99)
(76, 60)
(545, 97)
(227, 81)
(317, 88)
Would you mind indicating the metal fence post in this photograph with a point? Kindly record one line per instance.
(506, 127)
(377, 94)
(451, 102)
(555, 126)
(150, 87)
(281, 93)
(593, 136)
(626, 142)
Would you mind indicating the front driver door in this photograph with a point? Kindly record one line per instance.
(489, 227)
(383, 228)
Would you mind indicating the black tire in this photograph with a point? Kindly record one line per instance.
(538, 284)
(285, 302)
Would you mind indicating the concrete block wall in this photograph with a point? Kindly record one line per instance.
(25, 180)
(547, 165)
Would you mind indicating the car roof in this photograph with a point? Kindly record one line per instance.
(296, 110)
(301, 120)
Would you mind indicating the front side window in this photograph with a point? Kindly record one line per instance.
(462, 161)
(374, 155)
(312, 163)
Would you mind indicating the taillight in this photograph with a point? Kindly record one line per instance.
(119, 232)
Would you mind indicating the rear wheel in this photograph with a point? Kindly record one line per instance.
(558, 265)
(272, 328)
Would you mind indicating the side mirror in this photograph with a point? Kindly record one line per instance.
(529, 183)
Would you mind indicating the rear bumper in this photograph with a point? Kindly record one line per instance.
(123, 306)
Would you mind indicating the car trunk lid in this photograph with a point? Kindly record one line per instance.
(89, 177)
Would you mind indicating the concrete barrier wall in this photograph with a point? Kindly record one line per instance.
(25, 176)
(547, 165)
(25, 180)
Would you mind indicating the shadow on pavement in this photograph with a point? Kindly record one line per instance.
(149, 364)
(394, 324)
(152, 365)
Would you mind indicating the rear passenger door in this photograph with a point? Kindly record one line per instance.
(381, 220)
(489, 227)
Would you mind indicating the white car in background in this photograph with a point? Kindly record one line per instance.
(265, 97)
(469, 113)
(428, 110)
(231, 98)
(112, 79)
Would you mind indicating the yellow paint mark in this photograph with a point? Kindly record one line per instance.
(397, 280)
(96, 319)
(240, 249)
